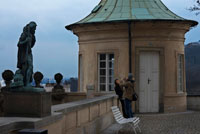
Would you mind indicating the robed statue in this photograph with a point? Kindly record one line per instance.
(25, 58)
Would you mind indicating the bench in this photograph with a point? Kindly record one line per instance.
(133, 122)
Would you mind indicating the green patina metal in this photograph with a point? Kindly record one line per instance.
(123, 10)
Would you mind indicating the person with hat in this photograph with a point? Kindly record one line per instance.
(129, 90)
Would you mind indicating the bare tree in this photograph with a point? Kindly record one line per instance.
(196, 7)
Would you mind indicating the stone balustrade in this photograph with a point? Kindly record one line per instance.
(88, 116)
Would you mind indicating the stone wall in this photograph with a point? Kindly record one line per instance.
(88, 116)
(193, 102)
(70, 97)
(76, 96)
(175, 103)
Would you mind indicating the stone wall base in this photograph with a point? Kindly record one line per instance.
(193, 102)
(27, 104)
(94, 127)
(174, 104)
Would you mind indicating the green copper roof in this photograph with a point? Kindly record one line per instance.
(126, 10)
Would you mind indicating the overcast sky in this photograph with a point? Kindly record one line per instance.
(56, 49)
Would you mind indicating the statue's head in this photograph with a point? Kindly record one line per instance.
(32, 26)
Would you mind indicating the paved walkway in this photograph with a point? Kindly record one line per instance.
(178, 123)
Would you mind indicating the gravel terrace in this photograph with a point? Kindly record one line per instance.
(174, 123)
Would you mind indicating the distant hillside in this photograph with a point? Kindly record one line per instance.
(192, 60)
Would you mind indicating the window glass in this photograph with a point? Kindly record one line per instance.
(103, 72)
(102, 64)
(180, 73)
(102, 80)
(111, 56)
(102, 57)
(106, 72)
(103, 87)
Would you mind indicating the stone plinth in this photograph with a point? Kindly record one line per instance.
(27, 104)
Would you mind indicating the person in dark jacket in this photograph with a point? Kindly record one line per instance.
(119, 92)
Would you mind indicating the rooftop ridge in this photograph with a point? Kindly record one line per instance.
(130, 10)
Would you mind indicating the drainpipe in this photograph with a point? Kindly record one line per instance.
(130, 47)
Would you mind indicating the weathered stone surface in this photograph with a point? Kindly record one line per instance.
(75, 131)
(94, 112)
(173, 123)
(83, 116)
(10, 124)
(27, 104)
(99, 124)
(175, 103)
(90, 91)
(102, 108)
(70, 120)
(109, 105)
(56, 127)
(76, 114)
(78, 105)
(193, 102)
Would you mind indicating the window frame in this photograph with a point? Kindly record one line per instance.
(179, 90)
(107, 73)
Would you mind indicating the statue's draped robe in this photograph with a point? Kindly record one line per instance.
(25, 61)
(24, 50)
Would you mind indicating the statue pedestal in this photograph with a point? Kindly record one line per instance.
(27, 104)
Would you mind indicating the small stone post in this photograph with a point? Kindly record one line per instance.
(90, 91)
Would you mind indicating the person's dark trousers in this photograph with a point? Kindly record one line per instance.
(128, 108)
(123, 107)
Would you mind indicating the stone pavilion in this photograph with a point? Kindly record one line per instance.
(142, 37)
